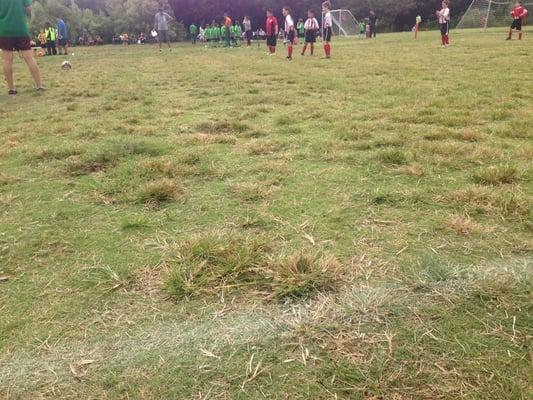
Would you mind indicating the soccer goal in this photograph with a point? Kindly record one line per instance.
(344, 23)
(485, 14)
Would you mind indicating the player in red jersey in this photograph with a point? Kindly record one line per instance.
(519, 13)
(272, 30)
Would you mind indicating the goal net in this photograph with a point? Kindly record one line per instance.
(485, 14)
(344, 23)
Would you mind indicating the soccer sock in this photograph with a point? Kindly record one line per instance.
(443, 40)
(510, 34)
(312, 48)
(304, 49)
(447, 39)
(289, 50)
(520, 36)
(327, 49)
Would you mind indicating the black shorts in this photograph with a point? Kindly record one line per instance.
(15, 43)
(517, 24)
(310, 36)
(249, 35)
(444, 28)
(327, 34)
(162, 36)
(272, 41)
(62, 42)
(291, 36)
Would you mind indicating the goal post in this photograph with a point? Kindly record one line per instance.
(483, 14)
(344, 23)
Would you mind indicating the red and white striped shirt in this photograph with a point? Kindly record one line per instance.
(289, 24)
(327, 22)
(444, 15)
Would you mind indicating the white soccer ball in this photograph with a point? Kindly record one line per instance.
(66, 65)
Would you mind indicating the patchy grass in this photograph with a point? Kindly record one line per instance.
(202, 237)
(497, 175)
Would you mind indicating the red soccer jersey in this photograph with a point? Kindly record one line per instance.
(271, 26)
(518, 12)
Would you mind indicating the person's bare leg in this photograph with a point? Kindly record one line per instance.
(7, 57)
(34, 68)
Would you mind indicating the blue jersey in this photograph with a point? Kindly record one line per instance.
(62, 29)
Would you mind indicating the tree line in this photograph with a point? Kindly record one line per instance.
(107, 18)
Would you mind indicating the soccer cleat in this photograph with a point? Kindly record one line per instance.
(289, 58)
(12, 93)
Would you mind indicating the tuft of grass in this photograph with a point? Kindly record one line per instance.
(302, 275)
(160, 191)
(56, 153)
(393, 157)
(497, 175)
(157, 168)
(213, 263)
(103, 158)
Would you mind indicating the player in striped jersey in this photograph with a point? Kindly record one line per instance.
(290, 32)
(327, 24)
(311, 28)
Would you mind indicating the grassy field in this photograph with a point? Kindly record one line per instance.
(218, 224)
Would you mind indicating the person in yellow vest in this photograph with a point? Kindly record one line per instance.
(51, 36)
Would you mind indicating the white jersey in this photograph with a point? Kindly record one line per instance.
(444, 15)
(311, 24)
(289, 24)
(327, 23)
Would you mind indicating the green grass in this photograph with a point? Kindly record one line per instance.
(221, 224)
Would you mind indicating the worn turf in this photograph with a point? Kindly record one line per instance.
(219, 224)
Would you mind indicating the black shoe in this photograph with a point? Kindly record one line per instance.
(39, 89)
(289, 58)
(508, 38)
(12, 93)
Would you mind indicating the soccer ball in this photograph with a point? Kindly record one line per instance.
(66, 65)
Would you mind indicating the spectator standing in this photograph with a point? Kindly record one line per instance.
(62, 36)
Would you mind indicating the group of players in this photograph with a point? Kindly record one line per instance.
(228, 34)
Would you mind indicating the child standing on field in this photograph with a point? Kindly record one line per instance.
(272, 30)
(362, 29)
(311, 28)
(327, 25)
(290, 31)
(418, 21)
(518, 14)
(444, 20)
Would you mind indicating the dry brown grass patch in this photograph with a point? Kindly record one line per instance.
(412, 169)
(161, 191)
(206, 138)
(463, 225)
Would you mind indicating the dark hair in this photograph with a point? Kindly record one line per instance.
(311, 11)
(326, 4)
(287, 8)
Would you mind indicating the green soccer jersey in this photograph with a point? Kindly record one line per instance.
(232, 29)
(238, 31)
(193, 29)
(301, 28)
(13, 19)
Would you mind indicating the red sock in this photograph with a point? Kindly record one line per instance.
(304, 49)
(447, 39)
(327, 48)
(443, 40)
(289, 49)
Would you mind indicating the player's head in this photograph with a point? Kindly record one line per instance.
(286, 11)
(326, 6)
(445, 3)
(310, 13)
(518, 3)
(269, 12)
